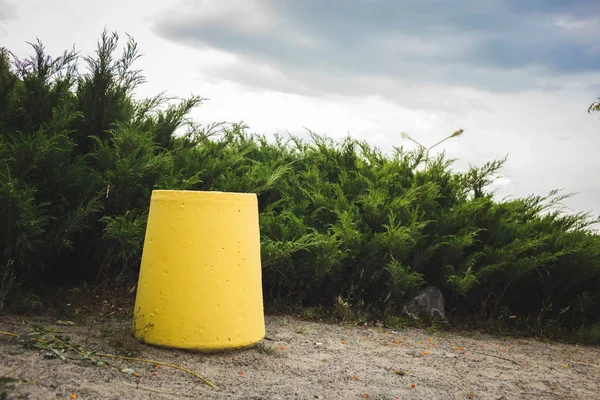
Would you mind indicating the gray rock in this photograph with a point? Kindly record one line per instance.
(428, 301)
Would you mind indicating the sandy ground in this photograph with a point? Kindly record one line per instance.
(306, 360)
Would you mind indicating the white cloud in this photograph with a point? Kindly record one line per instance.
(249, 16)
(570, 23)
(550, 138)
(7, 10)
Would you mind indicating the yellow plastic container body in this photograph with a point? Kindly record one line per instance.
(200, 283)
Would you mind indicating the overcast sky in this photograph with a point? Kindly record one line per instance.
(516, 75)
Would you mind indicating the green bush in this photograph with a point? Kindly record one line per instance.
(341, 222)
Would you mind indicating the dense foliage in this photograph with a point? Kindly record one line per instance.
(80, 156)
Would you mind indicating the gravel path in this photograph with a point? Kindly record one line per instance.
(306, 360)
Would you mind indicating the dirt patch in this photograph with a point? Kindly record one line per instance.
(306, 360)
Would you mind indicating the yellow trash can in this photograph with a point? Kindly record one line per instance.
(200, 284)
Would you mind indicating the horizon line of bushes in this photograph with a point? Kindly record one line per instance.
(339, 221)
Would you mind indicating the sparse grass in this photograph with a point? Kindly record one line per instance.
(8, 383)
(395, 322)
(313, 313)
(121, 339)
(6, 380)
(265, 349)
(25, 303)
(303, 330)
(8, 286)
(589, 335)
(68, 311)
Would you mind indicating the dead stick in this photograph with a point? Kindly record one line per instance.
(499, 357)
(68, 346)
(10, 372)
(159, 363)
(17, 335)
(583, 363)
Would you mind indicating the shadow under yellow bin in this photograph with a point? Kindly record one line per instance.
(200, 283)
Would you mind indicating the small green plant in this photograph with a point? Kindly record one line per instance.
(8, 286)
(120, 339)
(342, 311)
(7, 382)
(265, 349)
(589, 335)
(68, 311)
(395, 322)
(25, 303)
(314, 313)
